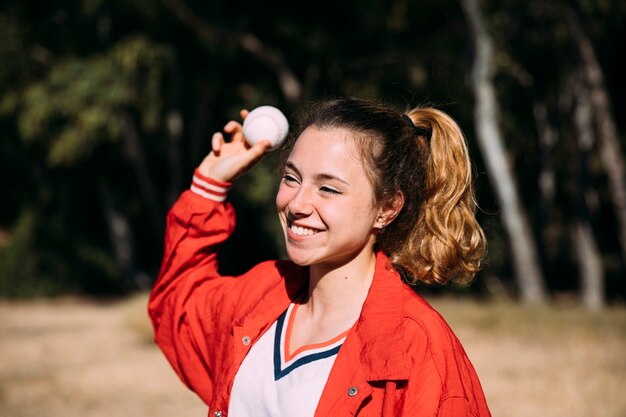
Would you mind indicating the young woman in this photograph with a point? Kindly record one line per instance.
(370, 202)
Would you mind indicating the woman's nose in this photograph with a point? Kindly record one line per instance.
(301, 203)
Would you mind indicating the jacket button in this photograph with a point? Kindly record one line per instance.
(246, 341)
(352, 391)
(217, 413)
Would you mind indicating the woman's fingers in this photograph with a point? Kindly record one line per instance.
(259, 149)
(216, 143)
(228, 166)
(232, 158)
(232, 127)
(235, 130)
(252, 156)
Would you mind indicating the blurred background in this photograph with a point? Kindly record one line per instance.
(106, 107)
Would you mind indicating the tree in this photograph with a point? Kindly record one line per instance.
(525, 259)
(107, 106)
(591, 269)
(610, 149)
(78, 123)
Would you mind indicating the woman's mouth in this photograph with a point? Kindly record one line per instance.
(302, 231)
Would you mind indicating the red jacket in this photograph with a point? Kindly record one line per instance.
(399, 359)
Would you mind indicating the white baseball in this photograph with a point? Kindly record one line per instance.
(265, 123)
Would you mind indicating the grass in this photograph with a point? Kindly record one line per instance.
(91, 359)
(547, 361)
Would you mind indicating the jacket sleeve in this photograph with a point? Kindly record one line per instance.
(189, 288)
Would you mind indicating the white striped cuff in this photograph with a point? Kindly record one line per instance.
(209, 188)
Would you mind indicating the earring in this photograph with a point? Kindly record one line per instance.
(380, 219)
(381, 229)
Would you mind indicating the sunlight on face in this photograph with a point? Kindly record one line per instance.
(325, 201)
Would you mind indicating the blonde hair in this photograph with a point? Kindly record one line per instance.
(423, 155)
(447, 243)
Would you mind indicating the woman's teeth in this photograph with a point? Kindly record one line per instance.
(301, 231)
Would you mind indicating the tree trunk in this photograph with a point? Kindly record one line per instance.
(524, 253)
(175, 127)
(121, 237)
(548, 137)
(610, 150)
(137, 158)
(590, 264)
(174, 123)
(547, 140)
(589, 258)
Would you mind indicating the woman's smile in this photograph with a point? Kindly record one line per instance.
(323, 187)
(302, 231)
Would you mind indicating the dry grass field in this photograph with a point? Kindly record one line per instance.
(71, 357)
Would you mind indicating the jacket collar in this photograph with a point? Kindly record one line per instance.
(377, 338)
(378, 333)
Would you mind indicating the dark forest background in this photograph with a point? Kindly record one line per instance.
(106, 107)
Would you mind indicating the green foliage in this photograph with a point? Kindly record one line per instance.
(36, 260)
(82, 82)
(78, 105)
(69, 118)
(18, 259)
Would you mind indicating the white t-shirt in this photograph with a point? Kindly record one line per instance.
(274, 382)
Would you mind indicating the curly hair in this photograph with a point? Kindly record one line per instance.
(421, 155)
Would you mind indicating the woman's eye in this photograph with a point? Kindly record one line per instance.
(329, 190)
(288, 178)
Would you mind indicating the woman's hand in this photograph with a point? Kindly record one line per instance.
(229, 160)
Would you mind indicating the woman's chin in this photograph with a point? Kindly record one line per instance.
(300, 258)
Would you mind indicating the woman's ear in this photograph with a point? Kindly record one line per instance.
(388, 213)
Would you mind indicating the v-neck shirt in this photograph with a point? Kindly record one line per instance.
(274, 381)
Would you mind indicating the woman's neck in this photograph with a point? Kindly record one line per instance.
(337, 292)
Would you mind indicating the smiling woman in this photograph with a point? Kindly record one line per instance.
(370, 201)
(323, 186)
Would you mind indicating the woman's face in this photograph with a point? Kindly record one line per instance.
(325, 201)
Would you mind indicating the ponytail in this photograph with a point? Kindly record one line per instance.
(446, 243)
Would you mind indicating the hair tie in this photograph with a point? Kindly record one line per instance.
(421, 131)
(408, 120)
